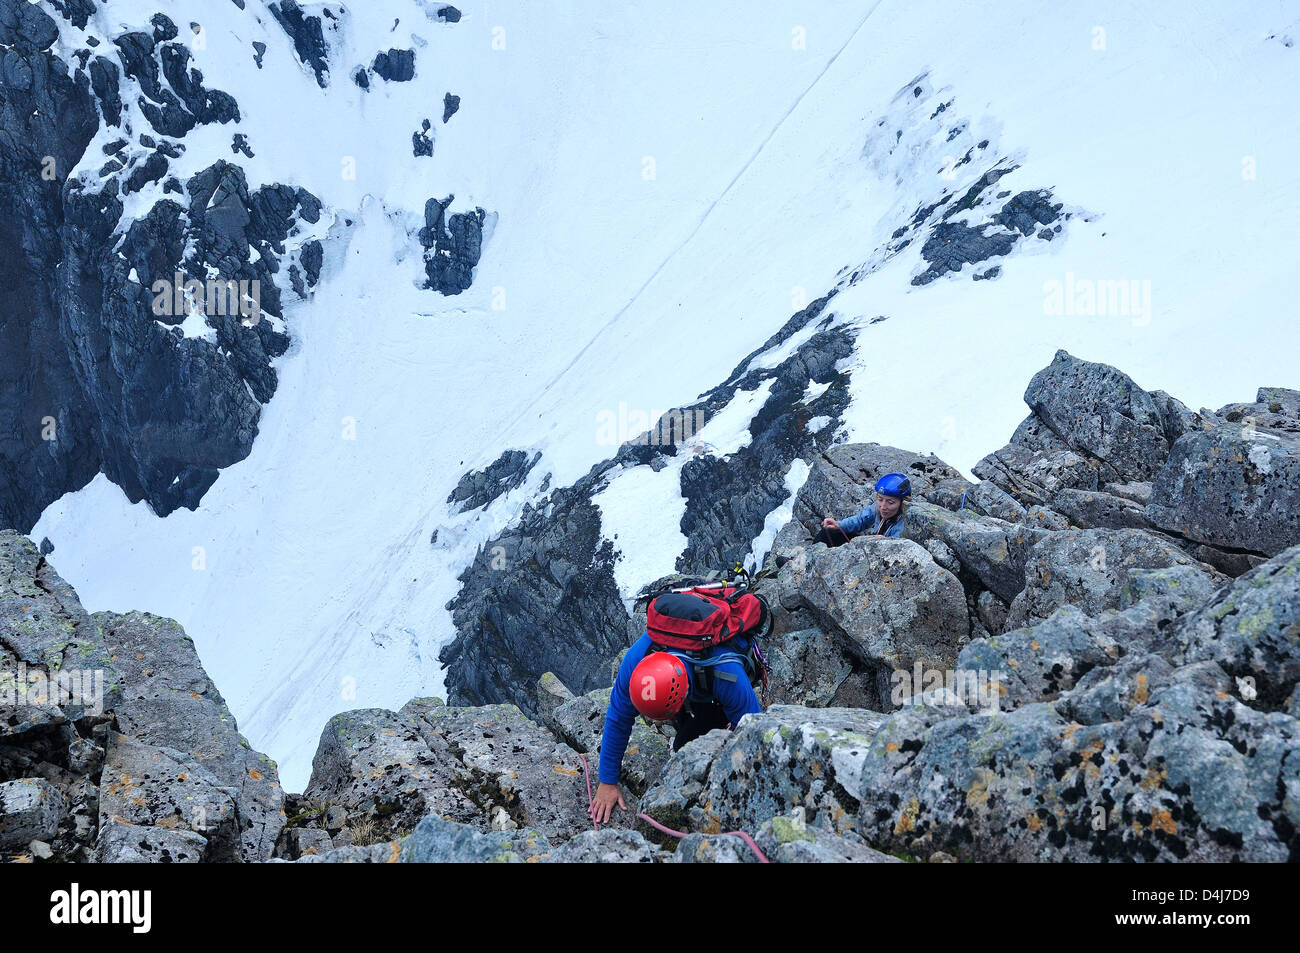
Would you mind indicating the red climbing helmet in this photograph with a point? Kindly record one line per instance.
(659, 686)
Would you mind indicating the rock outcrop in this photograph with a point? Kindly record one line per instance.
(1000, 683)
(108, 247)
(114, 743)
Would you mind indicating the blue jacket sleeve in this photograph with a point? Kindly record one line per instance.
(856, 524)
(737, 697)
(620, 715)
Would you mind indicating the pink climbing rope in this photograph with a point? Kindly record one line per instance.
(660, 827)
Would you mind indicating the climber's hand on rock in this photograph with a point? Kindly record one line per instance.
(602, 805)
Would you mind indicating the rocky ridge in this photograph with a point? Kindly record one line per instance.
(1132, 690)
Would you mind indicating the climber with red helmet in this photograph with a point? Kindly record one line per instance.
(696, 694)
(884, 517)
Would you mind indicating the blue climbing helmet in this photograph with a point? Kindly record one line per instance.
(895, 485)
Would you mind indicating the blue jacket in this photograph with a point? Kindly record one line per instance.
(869, 521)
(736, 697)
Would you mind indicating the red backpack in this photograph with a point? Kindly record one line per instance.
(703, 616)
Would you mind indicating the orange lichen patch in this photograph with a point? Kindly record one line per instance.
(1089, 768)
(631, 750)
(139, 655)
(1222, 696)
(816, 769)
(1013, 663)
(121, 819)
(1034, 645)
(567, 772)
(394, 851)
(533, 859)
(170, 823)
(977, 795)
(1034, 821)
(1070, 729)
(182, 776)
(891, 747)
(196, 695)
(907, 820)
(1137, 829)
(1164, 821)
(1047, 576)
(255, 774)
(1153, 779)
(1140, 694)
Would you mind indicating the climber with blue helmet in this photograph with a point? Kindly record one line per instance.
(884, 517)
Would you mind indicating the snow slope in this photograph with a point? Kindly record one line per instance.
(307, 578)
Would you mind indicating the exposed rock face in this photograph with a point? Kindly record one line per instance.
(952, 245)
(787, 756)
(488, 767)
(30, 809)
(395, 66)
(1252, 631)
(114, 721)
(888, 600)
(608, 846)
(1090, 425)
(145, 785)
(993, 550)
(787, 841)
(478, 488)
(452, 246)
(1099, 411)
(437, 840)
(1091, 509)
(123, 843)
(169, 700)
(712, 849)
(1231, 486)
(1037, 464)
(539, 598)
(101, 375)
(307, 35)
(1089, 568)
(971, 223)
(43, 112)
